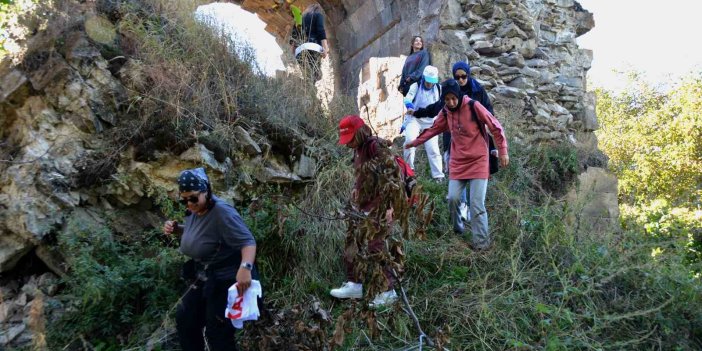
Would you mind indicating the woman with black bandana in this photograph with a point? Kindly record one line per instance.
(222, 252)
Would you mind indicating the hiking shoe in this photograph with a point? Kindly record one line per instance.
(348, 290)
(382, 299)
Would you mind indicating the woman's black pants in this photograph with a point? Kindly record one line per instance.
(202, 307)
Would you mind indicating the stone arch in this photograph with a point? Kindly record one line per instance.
(358, 29)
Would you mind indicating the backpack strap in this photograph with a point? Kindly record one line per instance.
(481, 125)
(437, 86)
(419, 86)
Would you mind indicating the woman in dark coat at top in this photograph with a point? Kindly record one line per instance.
(313, 31)
(414, 65)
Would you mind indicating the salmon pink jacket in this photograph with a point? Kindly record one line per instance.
(469, 150)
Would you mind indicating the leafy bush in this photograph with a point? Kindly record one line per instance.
(653, 141)
(654, 144)
(119, 292)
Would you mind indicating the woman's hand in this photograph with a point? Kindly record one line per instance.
(504, 161)
(409, 145)
(170, 227)
(243, 278)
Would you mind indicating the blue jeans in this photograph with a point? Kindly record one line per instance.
(478, 214)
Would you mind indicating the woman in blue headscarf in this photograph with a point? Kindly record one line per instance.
(222, 252)
(470, 87)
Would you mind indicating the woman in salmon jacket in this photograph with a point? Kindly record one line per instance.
(469, 163)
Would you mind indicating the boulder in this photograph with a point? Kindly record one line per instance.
(585, 21)
(9, 333)
(511, 30)
(451, 13)
(277, 172)
(53, 68)
(521, 83)
(245, 141)
(594, 203)
(509, 92)
(100, 30)
(10, 80)
(513, 59)
(588, 115)
(305, 167)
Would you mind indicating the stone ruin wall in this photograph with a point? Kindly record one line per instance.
(523, 51)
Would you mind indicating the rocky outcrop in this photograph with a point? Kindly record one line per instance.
(25, 306)
(59, 100)
(525, 54)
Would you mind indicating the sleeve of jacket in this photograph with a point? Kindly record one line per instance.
(431, 110)
(493, 126)
(484, 99)
(321, 34)
(411, 92)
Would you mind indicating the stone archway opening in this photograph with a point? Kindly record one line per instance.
(252, 41)
(367, 39)
(262, 32)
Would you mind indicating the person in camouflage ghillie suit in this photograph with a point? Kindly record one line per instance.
(378, 197)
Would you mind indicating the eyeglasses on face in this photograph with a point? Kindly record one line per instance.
(192, 198)
(461, 77)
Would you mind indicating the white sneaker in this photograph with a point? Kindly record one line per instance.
(348, 290)
(385, 298)
(463, 209)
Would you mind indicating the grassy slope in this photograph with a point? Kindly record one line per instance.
(542, 287)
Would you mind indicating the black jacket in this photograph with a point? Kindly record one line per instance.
(313, 27)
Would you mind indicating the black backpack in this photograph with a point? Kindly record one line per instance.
(494, 160)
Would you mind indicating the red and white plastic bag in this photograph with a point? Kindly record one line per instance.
(243, 308)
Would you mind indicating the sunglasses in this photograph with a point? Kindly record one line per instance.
(192, 198)
(461, 77)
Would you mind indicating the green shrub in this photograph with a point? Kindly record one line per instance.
(119, 292)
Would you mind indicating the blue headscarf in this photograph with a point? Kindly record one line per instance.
(461, 65)
(471, 86)
(193, 180)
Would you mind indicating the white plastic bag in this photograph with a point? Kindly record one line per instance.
(243, 308)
